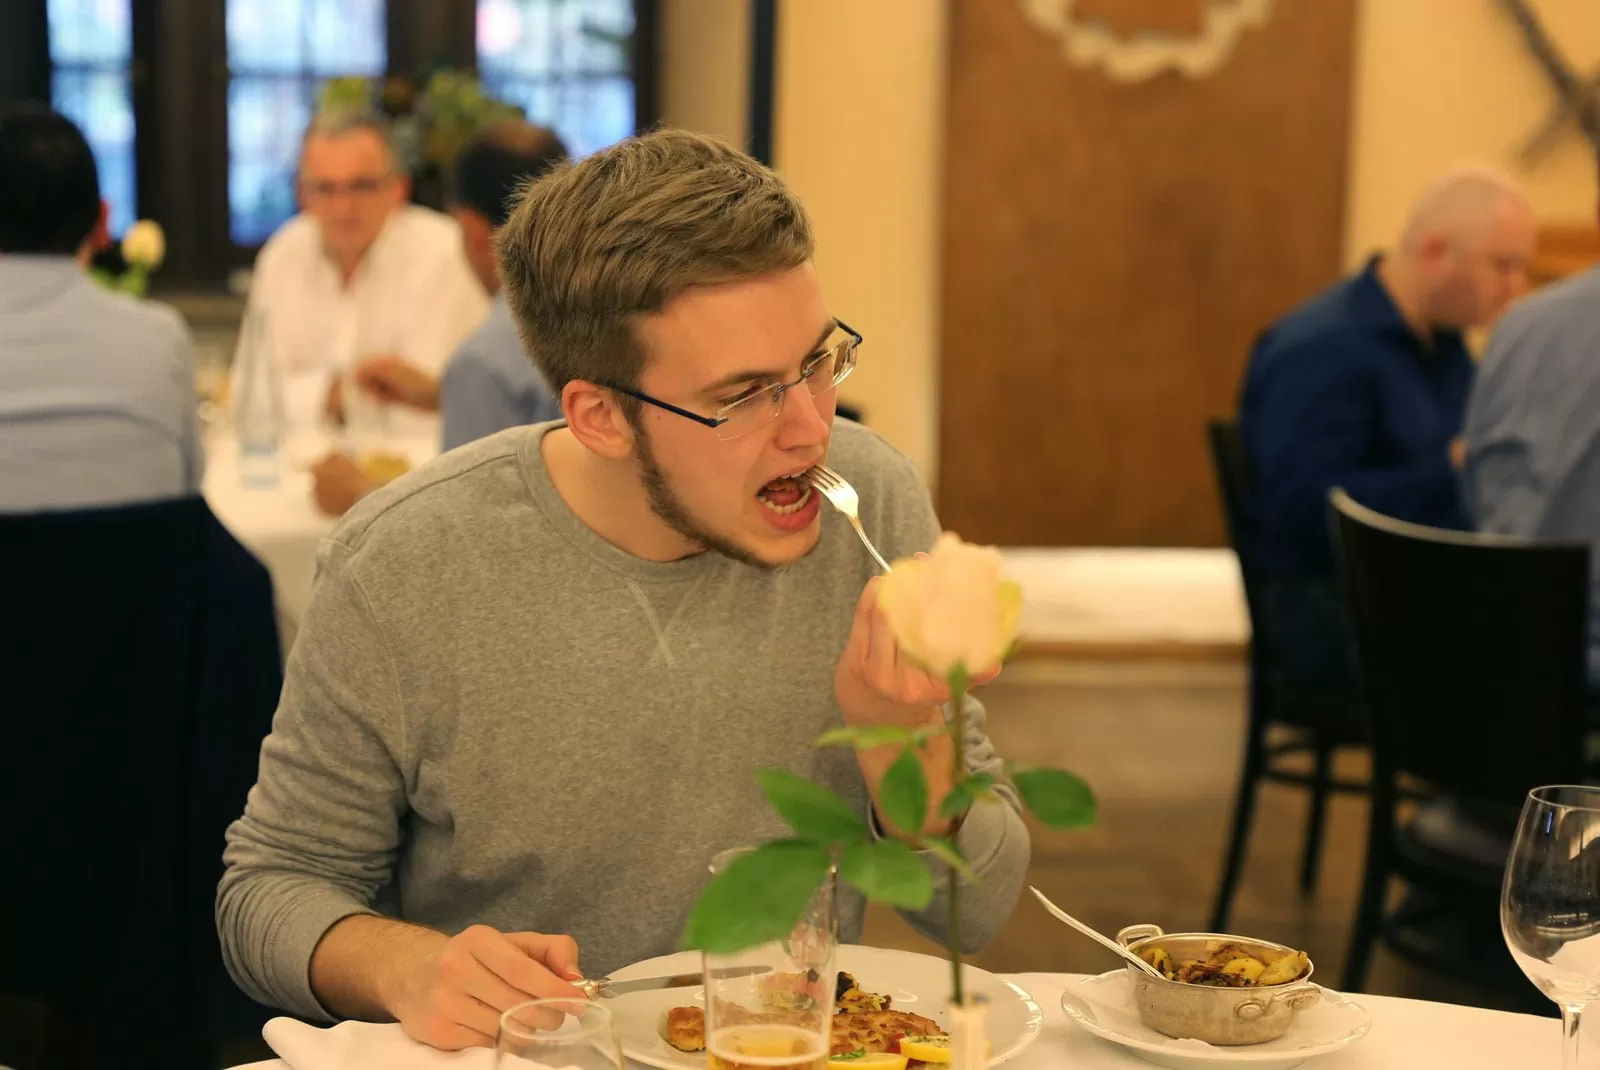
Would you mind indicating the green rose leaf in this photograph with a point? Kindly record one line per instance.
(903, 794)
(888, 871)
(967, 791)
(950, 854)
(758, 898)
(865, 737)
(814, 812)
(1056, 797)
(875, 735)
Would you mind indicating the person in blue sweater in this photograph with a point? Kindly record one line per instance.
(1364, 387)
(1533, 427)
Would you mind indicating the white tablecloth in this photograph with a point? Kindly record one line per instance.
(1084, 596)
(1406, 1035)
(281, 525)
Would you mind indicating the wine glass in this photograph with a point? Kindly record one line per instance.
(1550, 901)
(569, 1034)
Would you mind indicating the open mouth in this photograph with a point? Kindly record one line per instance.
(786, 494)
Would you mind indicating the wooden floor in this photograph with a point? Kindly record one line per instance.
(1160, 744)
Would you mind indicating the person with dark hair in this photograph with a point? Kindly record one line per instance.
(1364, 387)
(97, 400)
(490, 383)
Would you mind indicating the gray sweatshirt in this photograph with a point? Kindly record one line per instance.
(492, 715)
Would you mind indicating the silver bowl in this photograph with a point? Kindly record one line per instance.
(1223, 1016)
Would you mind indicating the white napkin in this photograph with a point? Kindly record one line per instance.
(361, 1046)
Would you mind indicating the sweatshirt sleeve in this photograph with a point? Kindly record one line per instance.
(322, 826)
(993, 838)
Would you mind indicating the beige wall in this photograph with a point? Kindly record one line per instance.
(857, 132)
(860, 95)
(705, 67)
(1441, 82)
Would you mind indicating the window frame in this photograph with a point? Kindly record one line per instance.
(180, 79)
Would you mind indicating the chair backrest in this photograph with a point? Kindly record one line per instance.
(1235, 475)
(1472, 654)
(141, 669)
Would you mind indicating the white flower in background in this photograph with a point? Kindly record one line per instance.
(144, 245)
(952, 609)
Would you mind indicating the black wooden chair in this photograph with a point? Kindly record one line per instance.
(141, 671)
(1471, 651)
(1290, 725)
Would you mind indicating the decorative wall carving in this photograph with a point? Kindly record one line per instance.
(1136, 40)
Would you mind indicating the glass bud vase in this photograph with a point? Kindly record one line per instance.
(969, 1034)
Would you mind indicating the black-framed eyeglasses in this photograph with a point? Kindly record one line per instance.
(757, 406)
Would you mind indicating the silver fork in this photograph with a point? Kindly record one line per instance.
(843, 497)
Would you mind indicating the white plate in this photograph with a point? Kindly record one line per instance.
(1104, 1006)
(917, 983)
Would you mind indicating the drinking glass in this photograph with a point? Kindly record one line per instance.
(771, 1007)
(211, 384)
(569, 1034)
(1550, 901)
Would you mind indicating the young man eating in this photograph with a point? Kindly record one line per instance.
(525, 705)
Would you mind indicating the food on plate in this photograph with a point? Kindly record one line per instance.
(927, 1049)
(801, 991)
(1229, 966)
(868, 1060)
(872, 1031)
(382, 466)
(864, 1032)
(850, 996)
(686, 1028)
(791, 991)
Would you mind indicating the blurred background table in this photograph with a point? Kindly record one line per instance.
(281, 524)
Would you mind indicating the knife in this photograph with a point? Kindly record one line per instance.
(606, 988)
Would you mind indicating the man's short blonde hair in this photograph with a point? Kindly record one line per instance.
(596, 243)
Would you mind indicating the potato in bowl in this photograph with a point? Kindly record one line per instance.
(1220, 988)
(1230, 965)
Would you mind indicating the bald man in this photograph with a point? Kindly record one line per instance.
(1365, 387)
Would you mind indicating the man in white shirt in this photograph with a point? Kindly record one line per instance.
(360, 272)
(491, 383)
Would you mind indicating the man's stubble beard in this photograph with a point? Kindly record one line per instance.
(666, 504)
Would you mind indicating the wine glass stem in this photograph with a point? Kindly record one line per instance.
(1571, 1017)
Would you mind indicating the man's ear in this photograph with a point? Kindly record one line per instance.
(100, 236)
(596, 419)
(1433, 248)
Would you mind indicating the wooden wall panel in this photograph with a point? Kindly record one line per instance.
(1109, 252)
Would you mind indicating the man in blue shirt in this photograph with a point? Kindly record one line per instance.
(97, 397)
(1364, 387)
(490, 383)
(1533, 426)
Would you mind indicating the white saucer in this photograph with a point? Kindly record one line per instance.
(1103, 1006)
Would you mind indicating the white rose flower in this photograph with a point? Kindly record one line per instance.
(952, 609)
(144, 245)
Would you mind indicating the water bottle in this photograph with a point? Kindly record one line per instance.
(258, 415)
